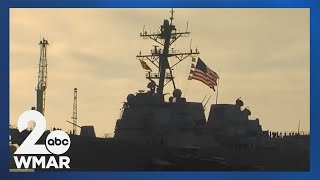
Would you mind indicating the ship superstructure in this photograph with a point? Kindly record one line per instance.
(148, 118)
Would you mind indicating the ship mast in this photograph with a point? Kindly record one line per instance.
(166, 36)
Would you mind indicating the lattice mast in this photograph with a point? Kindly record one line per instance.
(42, 77)
(75, 113)
(166, 36)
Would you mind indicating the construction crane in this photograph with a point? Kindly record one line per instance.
(74, 116)
(42, 77)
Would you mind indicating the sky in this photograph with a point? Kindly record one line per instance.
(261, 55)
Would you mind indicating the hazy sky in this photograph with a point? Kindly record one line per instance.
(262, 55)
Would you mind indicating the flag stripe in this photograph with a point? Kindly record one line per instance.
(211, 78)
(203, 77)
(202, 80)
(208, 78)
(213, 73)
(209, 83)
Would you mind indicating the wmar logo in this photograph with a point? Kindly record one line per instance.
(32, 155)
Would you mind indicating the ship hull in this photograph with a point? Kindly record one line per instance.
(109, 154)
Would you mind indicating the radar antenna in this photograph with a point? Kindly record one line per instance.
(171, 18)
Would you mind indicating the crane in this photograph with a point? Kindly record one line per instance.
(74, 116)
(42, 77)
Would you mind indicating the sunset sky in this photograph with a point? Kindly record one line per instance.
(262, 56)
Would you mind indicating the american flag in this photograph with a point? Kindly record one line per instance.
(204, 74)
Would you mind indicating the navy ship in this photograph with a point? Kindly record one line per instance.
(157, 131)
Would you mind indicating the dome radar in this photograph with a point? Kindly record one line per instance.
(177, 93)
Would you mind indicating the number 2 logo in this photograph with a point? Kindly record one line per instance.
(29, 145)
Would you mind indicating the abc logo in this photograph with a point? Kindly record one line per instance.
(58, 142)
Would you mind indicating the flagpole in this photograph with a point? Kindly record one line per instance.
(217, 89)
(217, 92)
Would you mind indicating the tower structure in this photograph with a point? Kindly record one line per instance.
(42, 77)
(159, 57)
(74, 116)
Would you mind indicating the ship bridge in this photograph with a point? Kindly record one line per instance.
(147, 119)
